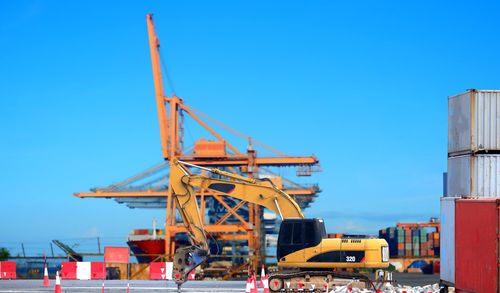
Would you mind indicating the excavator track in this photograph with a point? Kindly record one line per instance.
(316, 281)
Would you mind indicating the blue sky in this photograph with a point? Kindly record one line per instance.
(362, 85)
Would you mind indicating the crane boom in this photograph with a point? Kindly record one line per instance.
(154, 44)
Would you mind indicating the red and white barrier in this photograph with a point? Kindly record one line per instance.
(7, 270)
(192, 275)
(160, 271)
(96, 271)
(81, 270)
(68, 270)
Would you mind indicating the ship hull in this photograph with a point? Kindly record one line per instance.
(150, 247)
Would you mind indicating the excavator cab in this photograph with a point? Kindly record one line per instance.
(298, 234)
(303, 243)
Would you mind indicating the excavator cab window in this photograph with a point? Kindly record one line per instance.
(297, 234)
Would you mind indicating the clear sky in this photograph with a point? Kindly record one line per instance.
(362, 85)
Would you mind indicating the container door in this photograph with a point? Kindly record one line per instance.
(447, 239)
(476, 245)
(459, 122)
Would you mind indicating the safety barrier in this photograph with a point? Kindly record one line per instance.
(94, 271)
(81, 270)
(7, 269)
(160, 271)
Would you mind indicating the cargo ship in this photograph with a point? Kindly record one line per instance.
(149, 244)
(145, 243)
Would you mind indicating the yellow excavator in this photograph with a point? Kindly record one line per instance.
(302, 242)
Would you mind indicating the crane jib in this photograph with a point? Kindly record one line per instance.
(222, 187)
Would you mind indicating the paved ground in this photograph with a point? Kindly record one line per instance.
(30, 286)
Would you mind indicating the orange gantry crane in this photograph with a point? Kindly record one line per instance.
(214, 153)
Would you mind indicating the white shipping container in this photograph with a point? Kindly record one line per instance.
(474, 175)
(447, 240)
(474, 121)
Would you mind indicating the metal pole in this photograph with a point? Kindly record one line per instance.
(24, 253)
(98, 245)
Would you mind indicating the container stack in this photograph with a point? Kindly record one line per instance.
(474, 144)
(411, 242)
(473, 174)
(146, 232)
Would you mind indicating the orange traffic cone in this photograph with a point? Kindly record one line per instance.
(249, 284)
(262, 276)
(266, 285)
(254, 285)
(58, 283)
(46, 277)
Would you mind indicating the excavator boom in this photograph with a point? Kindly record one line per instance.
(256, 191)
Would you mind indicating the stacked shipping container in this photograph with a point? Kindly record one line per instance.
(416, 242)
(474, 144)
(469, 260)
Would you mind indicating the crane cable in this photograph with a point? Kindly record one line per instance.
(237, 133)
(167, 75)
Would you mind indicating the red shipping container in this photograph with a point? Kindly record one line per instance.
(68, 270)
(8, 269)
(476, 245)
(141, 232)
(157, 271)
(96, 269)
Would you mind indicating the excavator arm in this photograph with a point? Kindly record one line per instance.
(261, 192)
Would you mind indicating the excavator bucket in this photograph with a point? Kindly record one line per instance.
(187, 259)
